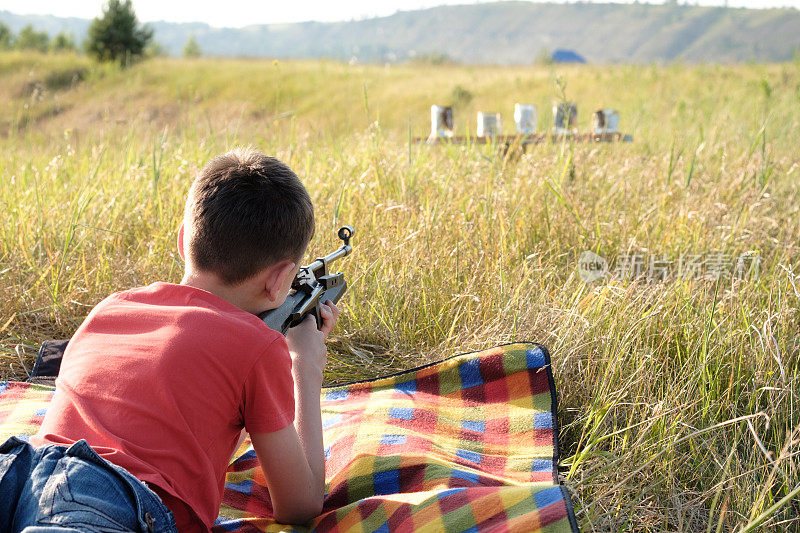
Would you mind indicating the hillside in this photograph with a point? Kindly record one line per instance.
(502, 33)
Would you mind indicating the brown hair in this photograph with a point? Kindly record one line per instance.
(247, 211)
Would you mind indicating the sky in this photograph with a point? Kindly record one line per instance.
(238, 13)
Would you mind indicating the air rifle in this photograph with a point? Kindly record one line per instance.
(312, 286)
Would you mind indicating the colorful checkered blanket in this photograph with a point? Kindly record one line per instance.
(464, 444)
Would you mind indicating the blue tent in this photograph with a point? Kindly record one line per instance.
(566, 56)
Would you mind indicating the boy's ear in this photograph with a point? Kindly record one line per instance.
(180, 243)
(276, 277)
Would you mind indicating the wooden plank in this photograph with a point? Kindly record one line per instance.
(521, 140)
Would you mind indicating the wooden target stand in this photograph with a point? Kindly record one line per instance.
(521, 142)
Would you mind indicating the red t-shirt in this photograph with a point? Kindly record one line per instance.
(161, 379)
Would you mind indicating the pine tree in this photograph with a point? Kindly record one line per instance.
(116, 36)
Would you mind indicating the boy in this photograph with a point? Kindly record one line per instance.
(162, 380)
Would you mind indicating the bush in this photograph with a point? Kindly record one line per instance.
(64, 79)
(460, 97)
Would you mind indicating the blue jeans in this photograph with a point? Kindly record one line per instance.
(58, 489)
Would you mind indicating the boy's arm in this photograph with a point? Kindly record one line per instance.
(294, 489)
(292, 458)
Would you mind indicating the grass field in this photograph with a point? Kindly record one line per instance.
(678, 397)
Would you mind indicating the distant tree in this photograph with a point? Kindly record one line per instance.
(30, 39)
(433, 58)
(191, 48)
(116, 36)
(63, 42)
(6, 37)
(154, 49)
(544, 57)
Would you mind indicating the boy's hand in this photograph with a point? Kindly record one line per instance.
(330, 313)
(307, 343)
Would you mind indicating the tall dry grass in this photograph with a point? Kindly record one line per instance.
(678, 398)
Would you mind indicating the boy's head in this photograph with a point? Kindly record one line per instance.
(245, 212)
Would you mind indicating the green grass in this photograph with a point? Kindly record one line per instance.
(678, 399)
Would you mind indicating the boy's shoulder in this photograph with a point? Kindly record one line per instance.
(181, 313)
(144, 332)
(173, 298)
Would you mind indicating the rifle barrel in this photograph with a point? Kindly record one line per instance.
(321, 261)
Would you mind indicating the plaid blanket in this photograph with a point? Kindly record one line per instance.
(464, 444)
